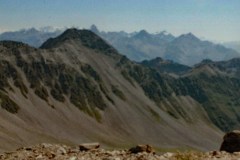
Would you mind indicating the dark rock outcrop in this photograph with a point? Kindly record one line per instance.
(231, 142)
(88, 146)
(142, 148)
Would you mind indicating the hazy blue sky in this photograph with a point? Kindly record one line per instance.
(213, 19)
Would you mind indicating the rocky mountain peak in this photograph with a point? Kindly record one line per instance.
(142, 34)
(94, 28)
(31, 30)
(84, 38)
(164, 35)
(189, 36)
(158, 59)
(204, 62)
(71, 34)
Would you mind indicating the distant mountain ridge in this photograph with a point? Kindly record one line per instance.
(31, 36)
(186, 49)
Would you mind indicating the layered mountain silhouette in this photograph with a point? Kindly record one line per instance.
(186, 49)
(77, 88)
(31, 36)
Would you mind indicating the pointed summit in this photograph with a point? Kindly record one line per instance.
(204, 62)
(94, 29)
(69, 34)
(190, 36)
(84, 38)
(159, 59)
(31, 30)
(164, 35)
(142, 34)
(72, 33)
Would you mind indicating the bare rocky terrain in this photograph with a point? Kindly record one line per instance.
(62, 152)
(229, 150)
(77, 88)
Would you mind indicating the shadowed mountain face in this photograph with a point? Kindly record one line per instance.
(166, 66)
(218, 83)
(77, 88)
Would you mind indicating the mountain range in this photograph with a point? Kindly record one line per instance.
(33, 37)
(77, 88)
(186, 49)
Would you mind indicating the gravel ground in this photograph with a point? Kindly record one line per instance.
(62, 152)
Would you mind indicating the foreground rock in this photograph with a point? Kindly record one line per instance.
(62, 152)
(88, 146)
(231, 142)
(142, 148)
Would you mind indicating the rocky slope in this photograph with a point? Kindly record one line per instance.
(77, 88)
(214, 84)
(220, 82)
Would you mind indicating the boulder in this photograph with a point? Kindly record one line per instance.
(231, 142)
(88, 146)
(142, 148)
